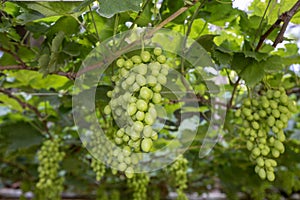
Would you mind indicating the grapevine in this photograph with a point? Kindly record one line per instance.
(264, 120)
(49, 156)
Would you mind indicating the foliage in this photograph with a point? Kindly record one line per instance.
(44, 44)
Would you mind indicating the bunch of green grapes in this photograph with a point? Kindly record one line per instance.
(137, 91)
(178, 171)
(98, 167)
(49, 156)
(264, 121)
(138, 183)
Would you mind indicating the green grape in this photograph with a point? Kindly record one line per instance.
(141, 80)
(142, 105)
(120, 62)
(151, 80)
(146, 56)
(140, 115)
(156, 98)
(149, 119)
(146, 144)
(107, 110)
(128, 64)
(147, 132)
(162, 59)
(262, 173)
(157, 51)
(136, 59)
(132, 108)
(146, 93)
(138, 126)
(141, 69)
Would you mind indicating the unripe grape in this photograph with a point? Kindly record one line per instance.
(141, 105)
(157, 51)
(151, 80)
(141, 80)
(284, 99)
(120, 62)
(271, 121)
(140, 115)
(146, 56)
(276, 113)
(107, 110)
(255, 125)
(273, 104)
(129, 172)
(256, 151)
(118, 140)
(128, 64)
(262, 113)
(162, 59)
(156, 98)
(136, 59)
(270, 176)
(249, 145)
(138, 126)
(130, 80)
(260, 161)
(148, 119)
(154, 135)
(146, 144)
(262, 173)
(146, 93)
(275, 153)
(281, 136)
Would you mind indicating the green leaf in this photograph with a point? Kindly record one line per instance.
(206, 41)
(145, 18)
(67, 24)
(57, 41)
(53, 8)
(253, 73)
(221, 57)
(20, 135)
(239, 61)
(273, 64)
(109, 8)
(10, 102)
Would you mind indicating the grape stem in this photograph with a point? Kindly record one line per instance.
(285, 18)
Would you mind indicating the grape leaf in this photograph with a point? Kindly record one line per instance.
(109, 8)
(20, 135)
(253, 73)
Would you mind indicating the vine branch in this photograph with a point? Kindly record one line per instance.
(285, 18)
(25, 105)
(14, 55)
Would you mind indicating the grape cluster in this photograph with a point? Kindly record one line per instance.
(49, 158)
(138, 183)
(178, 171)
(138, 83)
(98, 167)
(264, 120)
